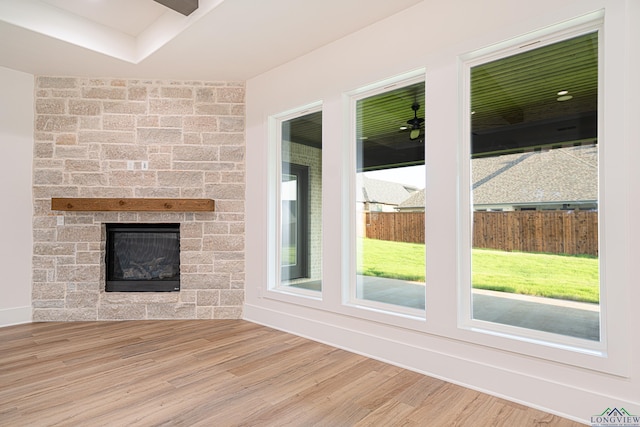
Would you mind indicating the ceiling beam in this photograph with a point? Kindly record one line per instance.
(185, 7)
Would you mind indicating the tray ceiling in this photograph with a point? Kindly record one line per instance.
(220, 40)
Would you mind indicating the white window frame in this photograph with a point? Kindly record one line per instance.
(275, 289)
(349, 291)
(601, 355)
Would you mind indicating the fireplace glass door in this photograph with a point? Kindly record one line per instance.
(142, 258)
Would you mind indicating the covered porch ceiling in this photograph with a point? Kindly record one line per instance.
(517, 104)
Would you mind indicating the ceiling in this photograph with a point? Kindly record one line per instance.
(220, 40)
(139, 15)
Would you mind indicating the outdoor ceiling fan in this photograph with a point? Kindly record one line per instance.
(415, 122)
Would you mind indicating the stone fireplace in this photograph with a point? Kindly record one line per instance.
(115, 138)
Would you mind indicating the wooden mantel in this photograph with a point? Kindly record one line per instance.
(140, 205)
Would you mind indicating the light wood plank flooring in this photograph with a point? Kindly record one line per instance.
(221, 373)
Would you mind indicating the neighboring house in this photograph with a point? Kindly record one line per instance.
(382, 196)
(534, 180)
(537, 180)
(414, 203)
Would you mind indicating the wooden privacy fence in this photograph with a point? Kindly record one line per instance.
(557, 232)
(395, 226)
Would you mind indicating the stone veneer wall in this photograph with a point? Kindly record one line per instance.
(192, 135)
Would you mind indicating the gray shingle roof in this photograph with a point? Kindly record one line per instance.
(415, 200)
(558, 175)
(568, 174)
(378, 191)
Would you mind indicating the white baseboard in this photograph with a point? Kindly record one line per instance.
(15, 316)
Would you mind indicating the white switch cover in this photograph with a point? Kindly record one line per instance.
(130, 165)
(144, 165)
(60, 220)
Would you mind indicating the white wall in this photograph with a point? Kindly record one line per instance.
(16, 152)
(433, 35)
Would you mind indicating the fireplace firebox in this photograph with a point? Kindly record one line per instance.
(142, 257)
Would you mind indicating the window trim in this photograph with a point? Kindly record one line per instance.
(274, 288)
(349, 286)
(481, 331)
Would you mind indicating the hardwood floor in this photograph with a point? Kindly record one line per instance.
(221, 373)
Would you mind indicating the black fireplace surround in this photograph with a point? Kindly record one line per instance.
(142, 257)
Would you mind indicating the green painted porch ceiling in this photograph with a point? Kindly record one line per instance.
(508, 95)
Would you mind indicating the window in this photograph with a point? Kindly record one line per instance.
(295, 221)
(299, 210)
(388, 237)
(534, 182)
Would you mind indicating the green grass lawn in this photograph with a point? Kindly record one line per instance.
(553, 276)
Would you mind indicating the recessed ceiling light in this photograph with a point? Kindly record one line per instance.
(564, 98)
(563, 92)
(403, 128)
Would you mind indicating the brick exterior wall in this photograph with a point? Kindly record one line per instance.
(192, 136)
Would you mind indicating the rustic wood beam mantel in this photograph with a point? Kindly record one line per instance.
(140, 205)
